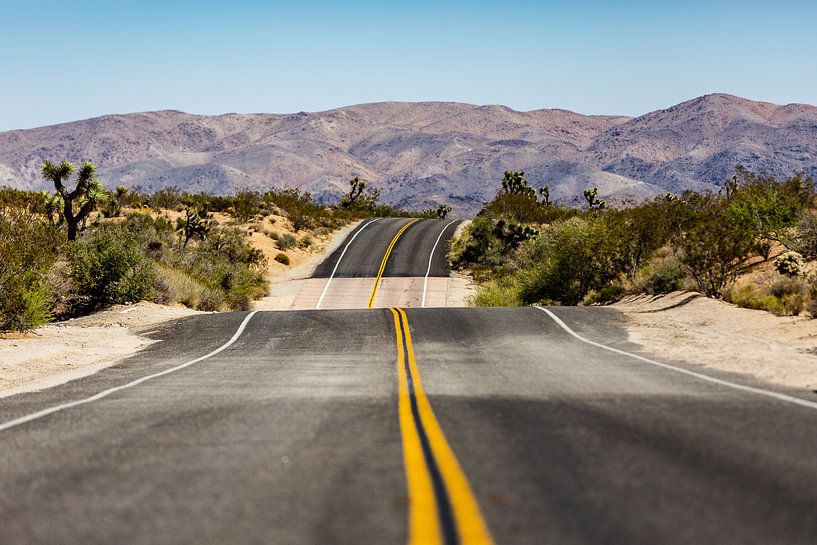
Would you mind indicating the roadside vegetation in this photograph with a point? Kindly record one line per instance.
(753, 243)
(83, 248)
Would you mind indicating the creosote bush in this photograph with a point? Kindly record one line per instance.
(29, 247)
(109, 267)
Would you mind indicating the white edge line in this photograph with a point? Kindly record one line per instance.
(326, 287)
(734, 386)
(105, 393)
(430, 257)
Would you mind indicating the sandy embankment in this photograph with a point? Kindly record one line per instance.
(687, 327)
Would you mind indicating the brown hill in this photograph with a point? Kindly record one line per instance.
(420, 154)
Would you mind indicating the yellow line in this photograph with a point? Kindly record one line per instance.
(471, 526)
(386, 258)
(424, 523)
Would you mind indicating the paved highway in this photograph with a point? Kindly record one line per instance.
(419, 425)
(384, 262)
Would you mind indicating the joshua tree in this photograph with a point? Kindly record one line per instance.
(544, 191)
(196, 224)
(116, 202)
(514, 182)
(593, 202)
(442, 211)
(356, 187)
(87, 194)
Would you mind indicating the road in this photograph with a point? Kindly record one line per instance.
(384, 262)
(389, 426)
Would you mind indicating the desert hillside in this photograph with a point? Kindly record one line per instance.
(420, 154)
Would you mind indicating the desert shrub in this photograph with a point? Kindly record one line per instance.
(804, 239)
(811, 302)
(246, 205)
(306, 242)
(607, 294)
(301, 221)
(497, 293)
(109, 267)
(786, 296)
(226, 262)
(786, 285)
(789, 263)
(176, 286)
(282, 259)
(286, 242)
(29, 246)
(768, 207)
(479, 247)
(31, 201)
(753, 297)
(565, 262)
(665, 277)
(714, 245)
(302, 210)
(232, 244)
(60, 283)
(635, 234)
(169, 198)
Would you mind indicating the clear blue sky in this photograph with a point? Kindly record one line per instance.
(67, 60)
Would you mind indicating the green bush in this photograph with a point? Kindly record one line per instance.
(566, 261)
(29, 246)
(497, 293)
(667, 276)
(109, 267)
(715, 245)
(751, 296)
(246, 205)
(282, 259)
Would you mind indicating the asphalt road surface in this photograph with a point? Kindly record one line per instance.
(384, 262)
(390, 426)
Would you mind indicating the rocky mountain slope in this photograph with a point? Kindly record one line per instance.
(420, 154)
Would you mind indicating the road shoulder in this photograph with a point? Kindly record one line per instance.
(689, 328)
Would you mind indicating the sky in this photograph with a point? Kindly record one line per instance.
(68, 60)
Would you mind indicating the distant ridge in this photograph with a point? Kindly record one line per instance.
(420, 154)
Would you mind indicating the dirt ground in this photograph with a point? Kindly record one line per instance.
(60, 352)
(686, 327)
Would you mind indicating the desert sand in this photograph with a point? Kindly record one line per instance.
(686, 327)
(60, 352)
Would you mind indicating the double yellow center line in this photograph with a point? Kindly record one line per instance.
(386, 259)
(442, 506)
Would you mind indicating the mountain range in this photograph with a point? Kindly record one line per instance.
(421, 154)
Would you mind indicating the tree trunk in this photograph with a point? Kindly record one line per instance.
(70, 220)
(72, 229)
